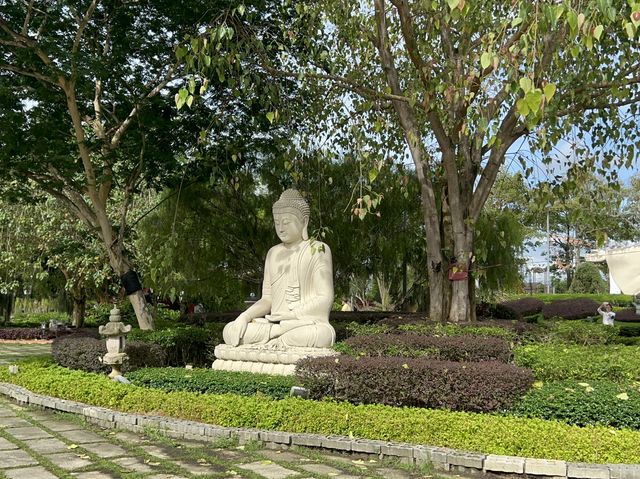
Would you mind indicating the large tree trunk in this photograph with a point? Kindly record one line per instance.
(78, 313)
(141, 308)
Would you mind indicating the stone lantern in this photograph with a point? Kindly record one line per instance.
(115, 331)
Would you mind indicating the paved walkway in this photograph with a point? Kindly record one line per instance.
(11, 352)
(39, 444)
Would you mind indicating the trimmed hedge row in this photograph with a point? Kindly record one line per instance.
(488, 434)
(478, 387)
(524, 306)
(84, 353)
(602, 403)
(575, 308)
(627, 315)
(212, 381)
(444, 348)
(30, 333)
(555, 362)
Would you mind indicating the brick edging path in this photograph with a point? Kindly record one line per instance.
(443, 459)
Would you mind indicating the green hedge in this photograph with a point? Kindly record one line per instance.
(583, 403)
(554, 362)
(468, 431)
(34, 320)
(213, 382)
(614, 299)
(183, 345)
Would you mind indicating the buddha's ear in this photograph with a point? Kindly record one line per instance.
(305, 232)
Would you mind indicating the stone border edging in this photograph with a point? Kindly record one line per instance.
(443, 459)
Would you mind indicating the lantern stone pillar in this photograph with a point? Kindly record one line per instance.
(115, 331)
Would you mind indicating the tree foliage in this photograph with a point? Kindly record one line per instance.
(588, 279)
(454, 85)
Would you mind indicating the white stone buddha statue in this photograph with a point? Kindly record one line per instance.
(297, 290)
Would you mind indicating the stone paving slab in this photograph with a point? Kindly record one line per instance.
(105, 449)
(93, 475)
(68, 461)
(132, 464)
(59, 425)
(268, 469)
(29, 473)
(4, 444)
(31, 432)
(14, 421)
(15, 458)
(48, 446)
(79, 436)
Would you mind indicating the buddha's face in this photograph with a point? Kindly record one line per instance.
(288, 228)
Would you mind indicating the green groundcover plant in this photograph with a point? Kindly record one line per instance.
(555, 362)
(583, 403)
(212, 381)
(468, 431)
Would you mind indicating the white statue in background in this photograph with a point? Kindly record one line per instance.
(297, 289)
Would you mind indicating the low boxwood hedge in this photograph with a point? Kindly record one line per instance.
(575, 308)
(524, 306)
(13, 334)
(212, 381)
(488, 434)
(444, 348)
(84, 353)
(583, 403)
(479, 387)
(554, 362)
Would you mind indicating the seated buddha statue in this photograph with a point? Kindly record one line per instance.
(297, 289)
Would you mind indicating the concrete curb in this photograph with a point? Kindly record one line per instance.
(442, 459)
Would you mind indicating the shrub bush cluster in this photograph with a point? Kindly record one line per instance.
(497, 311)
(622, 300)
(524, 306)
(627, 315)
(30, 333)
(582, 333)
(84, 353)
(34, 320)
(479, 387)
(576, 308)
(507, 331)
(583, 403)
(553, 362)
(212, 381)
(182, 345)
(490, 434)
(445, 348)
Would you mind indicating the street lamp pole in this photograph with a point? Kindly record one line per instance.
(547, 282)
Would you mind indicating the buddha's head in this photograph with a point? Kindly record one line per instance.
(291, 217)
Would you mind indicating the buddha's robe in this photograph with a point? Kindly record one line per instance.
(298, 282)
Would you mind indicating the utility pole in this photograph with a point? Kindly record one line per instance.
(547, 282)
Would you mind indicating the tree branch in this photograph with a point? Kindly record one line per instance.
(36, 75)
(120, 131)
(82, 25)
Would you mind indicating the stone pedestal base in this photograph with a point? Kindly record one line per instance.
(264, 359)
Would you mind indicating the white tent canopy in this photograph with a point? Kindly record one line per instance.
(624, 266)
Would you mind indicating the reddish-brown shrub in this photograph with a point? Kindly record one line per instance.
(486, 311)
(30, 333)
(627, 315)
(575, 308)
(445, 348)
(84, 353)
(524, 306)
(478, 387)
